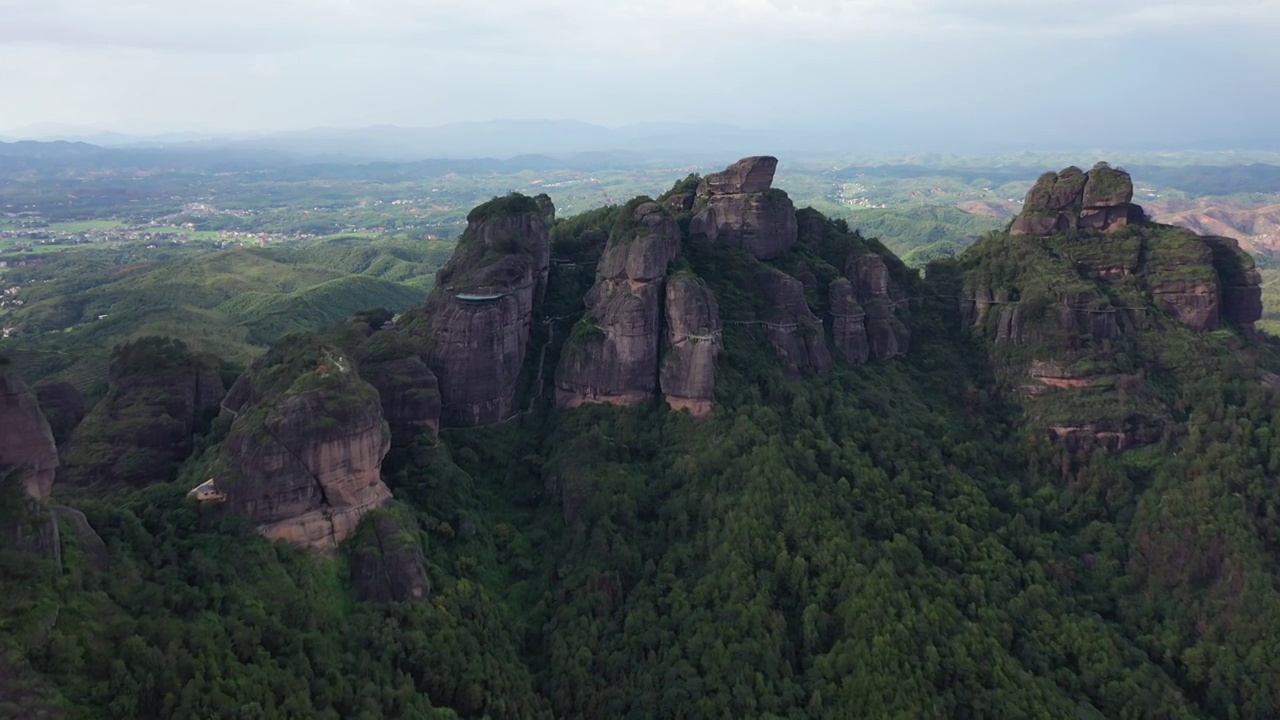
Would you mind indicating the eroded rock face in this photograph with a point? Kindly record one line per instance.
(1115, 437)
(26, 441)
(748, 175)
(1012, 321)
(848, 322)
(1195, 304)
(410, 397)
(613, 355)
(1057, 375)
(1073, 199)
(1241, 283)
(478, 318)
(792, 328)
(738, 207)
(688, 376)
(308, 467)
(386, 560)
(888, 318)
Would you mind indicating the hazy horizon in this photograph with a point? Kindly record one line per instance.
(1056, 73)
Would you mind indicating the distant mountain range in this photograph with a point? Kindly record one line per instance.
(560, 138)
(498, 138)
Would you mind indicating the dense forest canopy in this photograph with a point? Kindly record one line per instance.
(902, 538)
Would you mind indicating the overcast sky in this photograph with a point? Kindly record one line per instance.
(1039, 69)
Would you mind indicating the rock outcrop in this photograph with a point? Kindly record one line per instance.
(26, 442)
(392, 363)
(160, 394)
(848, 322)
(1239, 280)
(386, 560)
(748, 175)
(477, 321)
(303, 457)
(1004, 319)
(738, 207)
(613, 354)
(688, 375)
(888, 318)
(795, 333)
(1076, 200)
(410, 397)
(27, 456)
(1054, 309)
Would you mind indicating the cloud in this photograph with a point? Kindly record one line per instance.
(582, 26)
(931, 64)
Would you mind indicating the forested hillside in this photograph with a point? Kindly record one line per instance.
(702, 455)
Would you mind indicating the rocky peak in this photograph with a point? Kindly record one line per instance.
(612, 355)
(477, 321)
(303, 458)
(748, 175)
(1073, 199)
(737, 206)
(1069, 317)
(643, 242)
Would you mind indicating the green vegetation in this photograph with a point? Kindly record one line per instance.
(900, 539)
(270, 315)
(160, 395)
(510, 204)
(232, 303)
(919, 235)
(626, 224)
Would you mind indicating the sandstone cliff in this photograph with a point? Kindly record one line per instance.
(1239, 280)
(392, 363)
(885, 306)
(1078, 322)
(848, 322)
(160, 395)
(737, 207)
(28, 462)
(688, 375)
(303, 457)
(612, 355)
(795, 333)
(867, 300)
(410, 397)
(477, 321)
(1075, 200)
(26, 442)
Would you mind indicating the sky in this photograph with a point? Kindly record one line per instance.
(1033, 71)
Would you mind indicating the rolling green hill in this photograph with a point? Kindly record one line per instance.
(920, 234)
(267, 316)
(231, 302)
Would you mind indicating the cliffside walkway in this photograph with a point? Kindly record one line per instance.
(484, 293)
